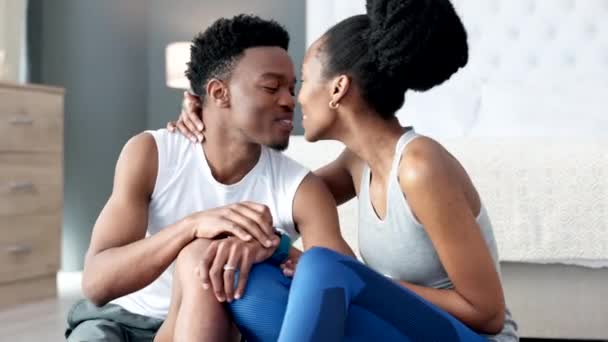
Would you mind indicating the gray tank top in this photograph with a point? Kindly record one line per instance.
(398, 246)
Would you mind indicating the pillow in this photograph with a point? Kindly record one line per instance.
(446, 111)
(535, 109)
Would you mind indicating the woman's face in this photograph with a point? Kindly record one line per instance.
(314, 96)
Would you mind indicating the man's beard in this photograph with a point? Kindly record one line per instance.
(280, 146)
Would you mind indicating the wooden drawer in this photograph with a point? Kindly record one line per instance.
(29, 246)
(30, 183)
(33, 289)
(30, 120)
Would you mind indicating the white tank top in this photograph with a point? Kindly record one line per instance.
(184, 185)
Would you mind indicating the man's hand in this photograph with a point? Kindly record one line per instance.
(190, 121)
(245, 220)
(223, 258)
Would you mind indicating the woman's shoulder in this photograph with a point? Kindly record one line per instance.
(423, 160)
(422, 151)
(427, 165)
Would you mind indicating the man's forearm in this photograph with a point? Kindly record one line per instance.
(118, 271)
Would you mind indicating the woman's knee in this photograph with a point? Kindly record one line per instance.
(266, 288)
(263, 278)
(318, 260)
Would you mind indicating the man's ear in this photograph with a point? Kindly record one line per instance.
(218, 93)
(339, 88)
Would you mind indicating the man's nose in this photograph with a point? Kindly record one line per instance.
(287, 100)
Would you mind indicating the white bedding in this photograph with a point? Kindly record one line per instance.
(548, 199)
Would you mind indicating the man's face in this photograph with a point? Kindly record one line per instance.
(261, 91)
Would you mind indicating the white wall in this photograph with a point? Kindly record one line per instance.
(109, 55)
(322, 14)
(519, 50)
(12, 39)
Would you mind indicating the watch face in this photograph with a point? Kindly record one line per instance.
(282, 251)
(284, 256)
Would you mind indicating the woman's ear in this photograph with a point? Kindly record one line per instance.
(218, 93)
(339, 88)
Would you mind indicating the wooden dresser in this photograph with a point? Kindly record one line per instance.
(31, 191)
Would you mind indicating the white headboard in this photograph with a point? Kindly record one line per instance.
(519, 38)
(510, 38)
(546, 41)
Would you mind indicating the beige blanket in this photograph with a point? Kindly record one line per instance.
(548, 199)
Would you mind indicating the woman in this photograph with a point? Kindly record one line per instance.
(431, 265)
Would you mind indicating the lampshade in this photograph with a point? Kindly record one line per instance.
(177, 54)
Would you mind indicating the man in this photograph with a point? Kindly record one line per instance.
(211, 206)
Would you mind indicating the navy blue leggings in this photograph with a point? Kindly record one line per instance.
(337, 298)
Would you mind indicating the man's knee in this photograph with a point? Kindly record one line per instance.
(190, 257)
(194, 249)
(188, 280)
(97, 330)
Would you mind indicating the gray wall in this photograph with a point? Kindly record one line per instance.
(109, 55)
(97, 51)
(178, 21)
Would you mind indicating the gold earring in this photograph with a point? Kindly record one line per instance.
(333, 105)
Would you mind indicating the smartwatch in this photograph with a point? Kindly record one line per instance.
(282, 252)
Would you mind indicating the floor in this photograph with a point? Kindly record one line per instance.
(45, 320)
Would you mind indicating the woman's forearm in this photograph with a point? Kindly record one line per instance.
(455, 304)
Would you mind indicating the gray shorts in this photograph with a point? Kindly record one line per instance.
(87, 322)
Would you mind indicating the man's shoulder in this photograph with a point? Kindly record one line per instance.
(164, 137)
(172, 148)
(141, 144)
(135, 170)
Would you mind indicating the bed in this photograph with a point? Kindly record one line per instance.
(528, 119)
(555, 280)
